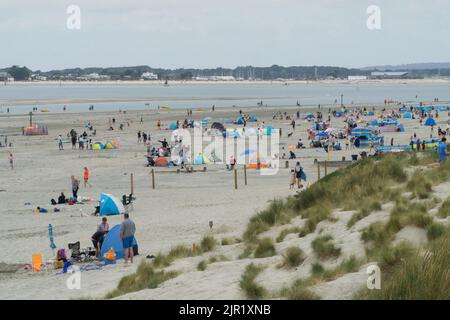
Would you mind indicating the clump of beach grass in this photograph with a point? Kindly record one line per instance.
(265, 248)
(419, 185)
(201, 266)
(293, 257)
(230, 241)
(298, 291)
(422, 275)
(178, 252)
(145, 277)
(275, 214)
(207, 244)
(444, 210)
(247, 283)
(283, 233)
(366, 209)
(324, 248)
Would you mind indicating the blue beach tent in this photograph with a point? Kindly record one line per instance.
(240, 120)
(110, 205)
(112, 240)
(430, 122)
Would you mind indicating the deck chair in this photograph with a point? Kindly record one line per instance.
(36, 262)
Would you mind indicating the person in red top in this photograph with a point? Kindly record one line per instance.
(86, 177)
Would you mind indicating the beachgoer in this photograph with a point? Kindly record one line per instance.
(62, 198)
(75, 186)
(11, 161)
(86, 177)
(127, 231)
(442, 151)
(299, 174)
(103, 226)
(60, 143)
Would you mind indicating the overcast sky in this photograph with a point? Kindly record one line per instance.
(228, 33)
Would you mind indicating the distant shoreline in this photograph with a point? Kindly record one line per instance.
(244, 82)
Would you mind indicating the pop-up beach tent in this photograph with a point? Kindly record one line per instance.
(407, 115)
(240, 120)
(161, 162)
(36, 130)
(430, 122)
(173, 126)
(218, 126)
(112, 240)
(201, 159)
(110, 205)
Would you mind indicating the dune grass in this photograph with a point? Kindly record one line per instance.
(265, 248)
(202, 265)
(283, 233)
(419, 185)
(366, 209)
(444, 210)
(145, 277)
(247, 283)
(422, 274)
(207, 244)
(369, 179)
(298, 291)
(230, 241)
(324, 248)
(292, 258)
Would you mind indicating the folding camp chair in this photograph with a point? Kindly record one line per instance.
(37, 262)
(76, 253)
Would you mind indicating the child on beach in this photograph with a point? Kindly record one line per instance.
(11, 161)
(292, 180)
(75, 186)
(86, 177)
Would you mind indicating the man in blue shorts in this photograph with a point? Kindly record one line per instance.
(127, 230)
(442, 151)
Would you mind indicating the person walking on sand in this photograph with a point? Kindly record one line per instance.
(442, 151)
(86, 177)
(127, 231)
(11, 161)
(75, 186)
(60, 143)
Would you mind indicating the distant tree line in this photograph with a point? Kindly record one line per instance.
(244, 72)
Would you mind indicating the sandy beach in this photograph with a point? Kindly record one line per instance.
(177, 212)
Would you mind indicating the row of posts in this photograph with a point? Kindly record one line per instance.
(152, 173)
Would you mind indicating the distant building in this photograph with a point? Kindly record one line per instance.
(215, 78)
(5, 76)
(38, 77)
(388, 75)
(357, 78)
(149, 76)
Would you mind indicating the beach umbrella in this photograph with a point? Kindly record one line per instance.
(50, 236)
(247, 152)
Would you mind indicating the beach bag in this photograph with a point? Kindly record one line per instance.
(110, 255)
